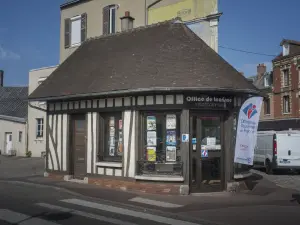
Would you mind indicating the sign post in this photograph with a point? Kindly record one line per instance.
(247, 131)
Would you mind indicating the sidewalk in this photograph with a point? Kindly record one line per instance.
(263, 193)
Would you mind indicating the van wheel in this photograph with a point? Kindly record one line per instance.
(269, 169)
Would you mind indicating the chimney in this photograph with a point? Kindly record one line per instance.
(261, 69)
(126, 21)
(242, 73)
(1, 78)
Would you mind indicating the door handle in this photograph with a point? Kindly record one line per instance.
(289, 152)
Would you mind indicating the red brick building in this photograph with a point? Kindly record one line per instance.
(286, 89)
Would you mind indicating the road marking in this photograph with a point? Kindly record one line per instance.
(127, 212)
(22, 219)
(84, 214)
(154, 202)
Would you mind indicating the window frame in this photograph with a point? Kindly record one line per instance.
(286, 73)
(104, 136)
(20, 136)
(112, 19)
(142, 133)
(73, 19)
(267, 107)
(39, 128)
(284, 99)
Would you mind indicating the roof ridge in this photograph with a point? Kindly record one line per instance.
(136, 29)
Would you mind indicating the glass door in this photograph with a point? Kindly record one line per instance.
(206, 155)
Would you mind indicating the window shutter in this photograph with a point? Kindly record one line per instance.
(67, 33)
(105, 20)
(113, 20)
(83, 27)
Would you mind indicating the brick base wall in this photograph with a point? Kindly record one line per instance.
(139, 186)
(129, 185)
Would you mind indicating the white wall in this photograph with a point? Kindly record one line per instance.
(207, 31)
(36, 145)
(58, 142)
(14, 128)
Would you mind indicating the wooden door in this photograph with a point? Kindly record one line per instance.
(78, 156)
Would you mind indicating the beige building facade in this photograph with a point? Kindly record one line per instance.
(81, 20)
(13, 136)
(37, 113)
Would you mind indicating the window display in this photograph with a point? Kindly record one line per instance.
(162, 137)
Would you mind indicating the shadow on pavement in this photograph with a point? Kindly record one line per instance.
(252, 181)
(296, 198)
(57, 216)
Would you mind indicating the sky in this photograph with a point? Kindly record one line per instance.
(29, 34)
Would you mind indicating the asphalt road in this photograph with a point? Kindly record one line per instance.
(35, 205)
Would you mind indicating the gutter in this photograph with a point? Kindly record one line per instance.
(209, 17)
(69, 3)
(147, 90)
(13, 119)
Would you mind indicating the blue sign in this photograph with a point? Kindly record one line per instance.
(194, 141)
(204, 153)
(185, 137)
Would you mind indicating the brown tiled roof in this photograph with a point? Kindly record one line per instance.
(293, 42)
(165, 56)
(294, 50)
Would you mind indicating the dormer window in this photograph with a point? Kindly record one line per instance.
(286, 49)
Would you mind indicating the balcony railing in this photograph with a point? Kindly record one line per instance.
(151, 168)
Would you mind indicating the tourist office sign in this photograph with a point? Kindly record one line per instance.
(209, 101)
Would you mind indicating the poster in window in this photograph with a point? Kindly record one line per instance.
(111, 150)
(120, 124)
(171, 153)
(151, 154)
(171, 138)
(112, 141)
(112, 121)
(151, 123)
(211, 141)
(151, 138)
(111, 131)
(120, 148)
(171, 122)
(120, 136)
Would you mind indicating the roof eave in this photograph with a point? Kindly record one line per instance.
(13, 119)
(147, 90)
(66, 4)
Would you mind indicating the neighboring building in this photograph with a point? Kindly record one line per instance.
(37, 113)
(286, 84)
(122, 106)
(82, 19)
(13, 117)
(264, 82)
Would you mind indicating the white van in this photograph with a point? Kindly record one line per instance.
(276, 150)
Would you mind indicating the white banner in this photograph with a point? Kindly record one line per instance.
(247, 130)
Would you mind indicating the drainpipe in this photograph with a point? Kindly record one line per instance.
(147, 8)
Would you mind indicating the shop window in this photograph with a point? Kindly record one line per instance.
(286, 104)
(111, 137)
(160, 144)
(267, 106)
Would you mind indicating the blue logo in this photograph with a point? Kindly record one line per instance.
(250, 110)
